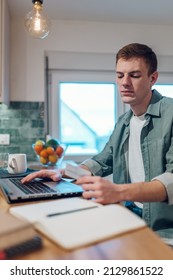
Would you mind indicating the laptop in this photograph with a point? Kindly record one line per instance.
(38, 189)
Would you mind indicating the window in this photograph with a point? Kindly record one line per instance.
(84, 106)
(164, 89)
(81, 104)
(88, 115)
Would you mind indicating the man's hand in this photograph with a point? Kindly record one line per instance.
(102, 190)
(55, 175)
(106, 192)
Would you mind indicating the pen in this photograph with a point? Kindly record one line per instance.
(70, 211)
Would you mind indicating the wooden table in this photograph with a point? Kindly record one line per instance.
(141, 244)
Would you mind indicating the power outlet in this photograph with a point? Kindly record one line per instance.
(4, 139)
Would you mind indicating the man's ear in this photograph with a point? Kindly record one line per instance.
(154, 77)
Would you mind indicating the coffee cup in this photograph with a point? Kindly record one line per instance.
(17, 163)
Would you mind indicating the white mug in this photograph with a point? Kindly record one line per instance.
(17, 163)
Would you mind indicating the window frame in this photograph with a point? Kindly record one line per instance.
(60, 76)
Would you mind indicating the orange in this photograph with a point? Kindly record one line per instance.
(53, 158)
(43, 160)
(50, 150)
(44, 153)
(38, 149)
(59, 151)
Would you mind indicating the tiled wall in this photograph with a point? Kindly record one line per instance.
(24, 121)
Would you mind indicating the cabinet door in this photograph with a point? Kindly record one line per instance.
(4, 52)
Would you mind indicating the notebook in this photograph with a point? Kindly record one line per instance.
(76, 222)
(38, 189)
(17, 236)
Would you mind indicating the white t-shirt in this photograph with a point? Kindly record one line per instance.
(136, 166)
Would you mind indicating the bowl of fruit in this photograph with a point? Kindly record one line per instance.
(49, 152)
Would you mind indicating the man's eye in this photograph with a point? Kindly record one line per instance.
(119, 76)
(135, 76)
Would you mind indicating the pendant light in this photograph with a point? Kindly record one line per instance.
(36, 22)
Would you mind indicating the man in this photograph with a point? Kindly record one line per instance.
(139, 152)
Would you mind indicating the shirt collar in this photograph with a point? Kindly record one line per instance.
(153, 108)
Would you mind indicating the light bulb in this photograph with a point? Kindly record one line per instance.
(36, 22)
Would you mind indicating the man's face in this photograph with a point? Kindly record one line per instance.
(133, 80)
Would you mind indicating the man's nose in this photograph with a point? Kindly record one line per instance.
(125, 80)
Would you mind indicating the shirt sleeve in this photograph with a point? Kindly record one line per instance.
(167, 180)
(93, 166)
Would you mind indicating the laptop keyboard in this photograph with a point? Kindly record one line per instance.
(31, 187)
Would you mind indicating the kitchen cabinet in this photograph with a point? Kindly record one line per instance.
(4, 52)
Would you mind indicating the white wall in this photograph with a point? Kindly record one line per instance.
(27, 54)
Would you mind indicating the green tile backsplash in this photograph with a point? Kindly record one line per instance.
(24, 121)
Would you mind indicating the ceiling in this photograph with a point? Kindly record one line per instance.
(159, 12)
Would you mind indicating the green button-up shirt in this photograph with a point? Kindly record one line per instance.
(157, 153)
